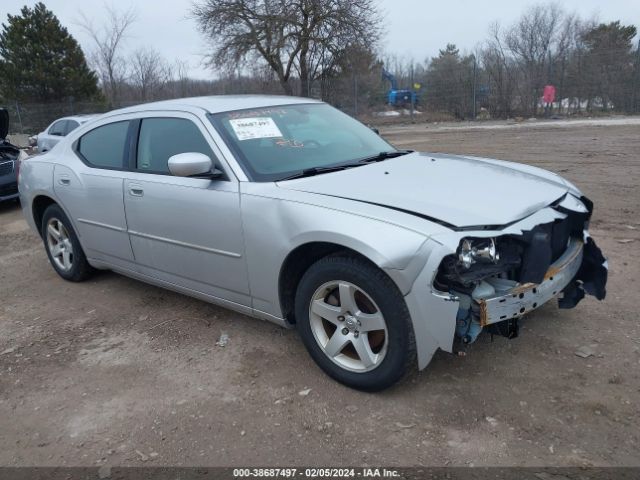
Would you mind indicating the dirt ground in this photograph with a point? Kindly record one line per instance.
(116, 372)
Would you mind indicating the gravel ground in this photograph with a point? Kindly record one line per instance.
(116, 372)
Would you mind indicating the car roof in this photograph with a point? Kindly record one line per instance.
(82, 118)
(218, 103)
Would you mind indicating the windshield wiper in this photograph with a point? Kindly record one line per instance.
(385, 155)
(310, 172)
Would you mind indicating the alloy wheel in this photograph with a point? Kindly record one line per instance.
(348, 326)
(59, 244)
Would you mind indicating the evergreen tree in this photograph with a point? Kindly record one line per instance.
(449, 82)
(611, 63)
(40, 61)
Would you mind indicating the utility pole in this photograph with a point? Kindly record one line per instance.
(413, 96)
(549, 110)
(560, 89)
(19, 117)
(636, 81)
(475, 67)
(355, 92)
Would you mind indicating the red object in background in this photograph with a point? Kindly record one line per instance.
(549, 94)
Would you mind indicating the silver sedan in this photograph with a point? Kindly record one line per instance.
(54, 133)
(288, 210)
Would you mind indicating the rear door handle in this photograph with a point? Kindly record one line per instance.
(64, 181)
(136, 190)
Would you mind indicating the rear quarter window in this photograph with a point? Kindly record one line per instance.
(58, 128)
(105, 146)
(71, 125)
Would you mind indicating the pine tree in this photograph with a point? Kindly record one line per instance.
(40, 61)
(611, 63)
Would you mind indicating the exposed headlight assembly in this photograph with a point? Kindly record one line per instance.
(477, 250)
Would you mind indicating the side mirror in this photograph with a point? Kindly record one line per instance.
(192, 164)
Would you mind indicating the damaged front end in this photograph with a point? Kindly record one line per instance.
(499, 279)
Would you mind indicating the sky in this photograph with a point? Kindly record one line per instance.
(414, 28)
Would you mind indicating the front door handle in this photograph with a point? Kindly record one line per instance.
(136, 190)
(64, 181)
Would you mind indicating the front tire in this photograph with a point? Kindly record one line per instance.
(354, 322)
(62, 246)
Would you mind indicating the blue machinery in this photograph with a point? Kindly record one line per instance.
(399, 97)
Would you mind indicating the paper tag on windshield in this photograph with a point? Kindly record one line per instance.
(256, 127)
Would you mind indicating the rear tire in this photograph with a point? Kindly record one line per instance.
(62, 246)
(355, 324)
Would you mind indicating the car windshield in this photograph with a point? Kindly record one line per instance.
(274, 143)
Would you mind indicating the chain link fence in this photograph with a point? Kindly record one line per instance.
(32, 118)
(363, 97)
(464, 93)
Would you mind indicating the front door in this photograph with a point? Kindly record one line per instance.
(185, 231)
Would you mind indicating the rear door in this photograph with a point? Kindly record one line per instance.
(91, 192)
(186, 231)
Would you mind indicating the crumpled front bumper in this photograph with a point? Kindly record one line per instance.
(591, 277)
(522, 299)
(444, 315)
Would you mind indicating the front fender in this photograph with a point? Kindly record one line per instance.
(279, 226)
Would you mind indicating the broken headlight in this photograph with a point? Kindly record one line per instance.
(477, 250)
(479, 258)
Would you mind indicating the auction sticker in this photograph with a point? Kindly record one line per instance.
(256, 127)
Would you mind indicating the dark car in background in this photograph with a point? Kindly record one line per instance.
(10, 156)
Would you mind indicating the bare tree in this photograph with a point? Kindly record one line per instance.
(500, 72)
(293, 37)
(578, 81)
(108, 39)
(537, 40)
(181, 77)
(149, 72)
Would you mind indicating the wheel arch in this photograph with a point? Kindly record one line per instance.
(298, 261)
(38, 206)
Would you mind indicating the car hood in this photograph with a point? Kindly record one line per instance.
(456, 191)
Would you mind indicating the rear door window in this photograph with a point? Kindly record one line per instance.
(161, 138)
(104, 147)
